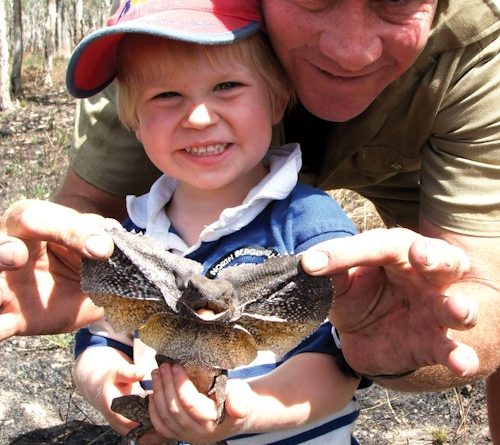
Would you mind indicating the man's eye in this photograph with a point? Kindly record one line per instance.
(401, 10)
(312, 5)
(227, 85)
(395, 2)
(166, 95)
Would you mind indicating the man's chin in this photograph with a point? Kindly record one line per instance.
(335, 111)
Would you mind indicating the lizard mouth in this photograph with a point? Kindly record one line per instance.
(208, 310)
(206, 314)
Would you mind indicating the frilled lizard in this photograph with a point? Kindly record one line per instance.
(207, 325)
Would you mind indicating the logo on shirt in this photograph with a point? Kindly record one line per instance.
(242, 255)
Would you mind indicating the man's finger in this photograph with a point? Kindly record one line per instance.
(13, 253)
(442, 263)
(47, 221)
(377, 247)
(460, 359)
(457, 312)
(8, 325)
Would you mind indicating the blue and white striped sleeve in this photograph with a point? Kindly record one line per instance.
(101, 333)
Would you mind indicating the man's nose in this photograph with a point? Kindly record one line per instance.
(351, 39)
(199, 116)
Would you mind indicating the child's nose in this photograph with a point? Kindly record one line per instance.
(199, 117)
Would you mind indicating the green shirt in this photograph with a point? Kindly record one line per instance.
(430, 143)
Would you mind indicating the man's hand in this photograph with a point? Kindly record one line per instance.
(13, 253)
(41, 246)
(391, 307)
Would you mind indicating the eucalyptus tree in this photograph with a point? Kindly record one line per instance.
(5, 99)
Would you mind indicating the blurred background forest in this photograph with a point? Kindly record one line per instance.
(46, 28)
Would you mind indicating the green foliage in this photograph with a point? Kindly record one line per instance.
(33, 60)
(440, 436)
(60, 341)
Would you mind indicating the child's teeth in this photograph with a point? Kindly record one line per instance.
(209, 149)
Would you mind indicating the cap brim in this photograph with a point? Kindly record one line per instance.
(92, 65)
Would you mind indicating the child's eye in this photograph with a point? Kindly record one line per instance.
(166, 95)
(227, 85)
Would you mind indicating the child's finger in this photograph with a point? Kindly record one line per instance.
(197, 405)
(157, 420)
(238, 399)
(151, 437)
(170, 399)
(167, 412)
(159, 394)
(170, 411)
(128, 373)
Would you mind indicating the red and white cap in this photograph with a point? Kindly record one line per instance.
(208, 22)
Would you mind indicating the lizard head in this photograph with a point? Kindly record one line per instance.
(208, 299)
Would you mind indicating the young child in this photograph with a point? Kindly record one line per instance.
(201, 88)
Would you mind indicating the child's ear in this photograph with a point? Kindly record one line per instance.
(138, 134)
(279, 111)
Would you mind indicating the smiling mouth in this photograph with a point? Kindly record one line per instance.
(207, 150)
(341, 77)
(350, 76)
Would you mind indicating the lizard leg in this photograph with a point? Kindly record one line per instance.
(219, 390)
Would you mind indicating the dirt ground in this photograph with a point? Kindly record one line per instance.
(38, 403)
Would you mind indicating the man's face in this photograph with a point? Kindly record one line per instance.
(341, 54)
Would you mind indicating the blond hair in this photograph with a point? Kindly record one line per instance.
(143, 58)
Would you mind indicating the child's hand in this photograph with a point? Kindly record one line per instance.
(179, 411)
(103, 373)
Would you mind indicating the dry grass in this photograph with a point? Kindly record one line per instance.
(361, 211)
(35, 139)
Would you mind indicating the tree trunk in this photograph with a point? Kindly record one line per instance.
(78, 21)
(63, 33)
(17, 48)
(5, 100)
(50, 33)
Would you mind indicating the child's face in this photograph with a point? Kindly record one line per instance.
(207, 125)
